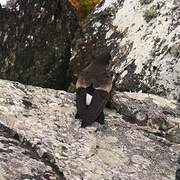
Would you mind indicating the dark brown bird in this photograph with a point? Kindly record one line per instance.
(95, 80)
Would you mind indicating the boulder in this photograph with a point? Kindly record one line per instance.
(41, 123)
(35, 42)
(20, 162)
(143, 38)
(154, 114)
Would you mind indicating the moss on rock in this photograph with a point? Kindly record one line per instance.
(150, 14)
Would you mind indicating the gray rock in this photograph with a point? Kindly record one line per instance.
(143, 38)
(20, 163)
(35, 42)
(46, 123)
(156, 114)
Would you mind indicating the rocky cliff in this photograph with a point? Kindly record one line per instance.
(41, 139)
(35, 42)
(39, 135)
(143, 38)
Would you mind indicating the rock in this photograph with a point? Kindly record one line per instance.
(143, 38)
(117, 150)
(18, 162)
(157, 114)
(35, 42)
(178, 170)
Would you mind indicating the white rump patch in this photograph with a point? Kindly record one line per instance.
(88, 99)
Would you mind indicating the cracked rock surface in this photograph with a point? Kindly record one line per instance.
(18, 162)
(42, 120)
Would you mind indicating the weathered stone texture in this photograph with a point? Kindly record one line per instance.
(20, 163)
(144, 40)
(44, 119)
(156, 114)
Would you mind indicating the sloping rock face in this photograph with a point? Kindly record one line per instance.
(43, 121)
(155, 114)
(35, 42)
(18, 162)
(143, 38)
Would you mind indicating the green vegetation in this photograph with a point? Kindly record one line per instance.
(145, 2)
(150, 14)
(175, 50)
(84, 6)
